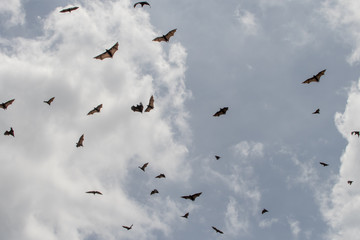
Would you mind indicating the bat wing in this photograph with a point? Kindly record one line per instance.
(159, 39)
(103, 56)
(217, 230)
(324, 164)
(194, 196)
(309, 80)
(80, 142)
(264, 211)
(92, 112)
(69, 9)
(315, 78)
(114, 48)
(150, 105)
(218, 113)
(108, 53)
(320, 74)
(170, 34)
(6, 104)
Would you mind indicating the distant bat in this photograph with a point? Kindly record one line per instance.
(161, 175)
(95, 110)
(95, 192)
(217, 157)
(109, 53)
(10, 132)
(69, 9)
(154, 191)
(264, 211)
(217, 230)
(138, 108)
(192, 197)
(142, 4)
(349, 182)
(80, 142)
(317, 111)
(150, 106)
(128, 228)
(144, 166)
(49, 101)
(315, 78)
(166, 37)
(222, 111)
(6, 104)
(324, 164)
(186, 215)
(355, 133)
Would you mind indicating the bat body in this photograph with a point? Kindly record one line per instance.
(166, 37)
(324, 164)
(128, 228)
(355, 133)
(94, 192)
(192, 197)
(154, 191)
(161, 175)
(315, 78)
(217, 230)
(222, 111)
(264, 211)
(150, 106)
(144, 166)
(80, 142)
(95, 110)
(10, 132)
(69, 9)
(349, 182)
(186, 215)
(138, 108)
(142, 4)
(217, 157)
(109, 53)
(317, 111)
(49, 101)
(6, 104)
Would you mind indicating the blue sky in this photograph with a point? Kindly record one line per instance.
(250, 56)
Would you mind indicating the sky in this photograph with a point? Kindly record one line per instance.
(250, 56)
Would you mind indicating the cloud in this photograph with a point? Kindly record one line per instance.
(248, 21)
(12, 12)
(295, 227)
(249, 149)
(236, 219)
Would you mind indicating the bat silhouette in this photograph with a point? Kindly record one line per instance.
(154, 191)
(161, 175)
(128, 228)
(186, 215)
(10, 132)
(142, 4)
(166, 37)
(192, 197)
(69, 9)
(317, 111)
(315, 78)
(109, 53)
(150, 106)
(217, 157)
(222, 111)
(138, 108)
(95, 110)
(6, 104)
(49, 101)
(94, 192)
(217, 230)
(264, 211)
(324, 164)
(144, 166)
(80, 142)
(349, 182)
(355, 133)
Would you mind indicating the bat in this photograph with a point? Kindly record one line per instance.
(142, 4)
(192, 197)
(80, 142)
(49, 101)
(222, 111)
(161, 175)
(94, 192)
(69, 9)
(138, 108)
(166, 37)
(6, 104)
(186, 215)
(150, 106)
(349, 182)
(315, 78)
(355, 133)
(10, 132)
(144, 166)
(324, 164)
(217, 157)
(154, 191)
(95, 110)
(217, 230)
(109, 53)
(264, 211)
(317, 111)
(127, 228)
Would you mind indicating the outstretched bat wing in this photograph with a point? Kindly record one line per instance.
(142, 4)
(165, 37)
(109, 53)
(217, 230)
(150, 106)
(6, 104)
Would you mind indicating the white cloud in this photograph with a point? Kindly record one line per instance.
(295, 227)
(266, 223)
(248, 21)
(249, 149)
(13, 12)
(236, 219)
